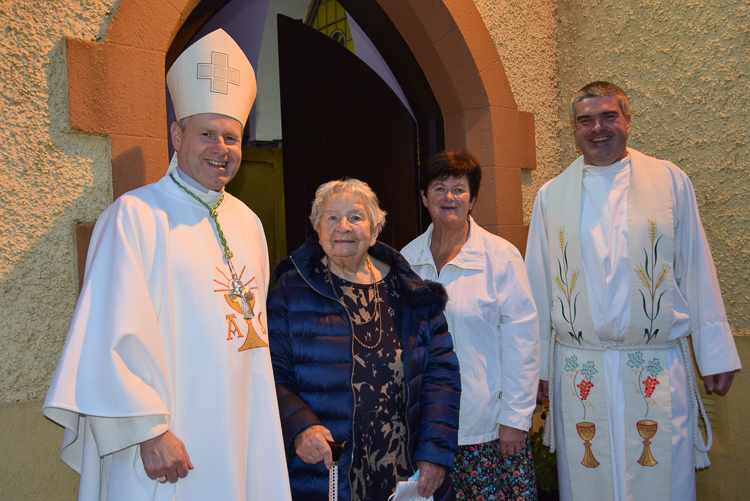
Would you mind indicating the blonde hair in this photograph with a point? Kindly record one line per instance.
(355, 187)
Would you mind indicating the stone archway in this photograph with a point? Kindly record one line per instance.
(459, 59)
(116, 88)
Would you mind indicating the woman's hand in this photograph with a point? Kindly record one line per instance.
(431, 476)
(512, 441)
(312, 445)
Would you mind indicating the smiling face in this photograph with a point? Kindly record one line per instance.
(448, 201)
(209, 149)
(344, 231)
(601, 130)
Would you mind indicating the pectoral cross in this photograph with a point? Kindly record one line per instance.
(242, 295)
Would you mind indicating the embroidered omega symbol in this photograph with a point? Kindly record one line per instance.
(219, 72)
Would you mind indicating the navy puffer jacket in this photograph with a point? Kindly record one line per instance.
(311, 348)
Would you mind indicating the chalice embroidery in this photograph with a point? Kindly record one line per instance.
(242, 300)
(645, 387)
(586, 430)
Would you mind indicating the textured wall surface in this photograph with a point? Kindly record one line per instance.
(49, 178)
(685, 65)
(524, 33)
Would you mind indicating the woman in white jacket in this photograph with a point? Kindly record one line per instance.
(494, 325)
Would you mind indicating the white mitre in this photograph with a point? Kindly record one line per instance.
(212, 76)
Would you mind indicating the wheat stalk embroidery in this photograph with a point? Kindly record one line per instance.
(652, 281)
(567, 286)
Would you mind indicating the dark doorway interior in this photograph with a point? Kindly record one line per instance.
(358, 129)
(339, 118)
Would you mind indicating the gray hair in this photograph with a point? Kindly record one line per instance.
(599, 89)
(355, 187)
(182, 122)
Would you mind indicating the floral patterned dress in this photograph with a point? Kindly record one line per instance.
(480, 473)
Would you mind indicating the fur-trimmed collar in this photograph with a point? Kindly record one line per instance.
(306, 257)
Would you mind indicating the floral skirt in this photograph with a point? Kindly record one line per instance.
(480, 473)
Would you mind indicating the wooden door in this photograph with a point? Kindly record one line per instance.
(339, 118)
(259, 183)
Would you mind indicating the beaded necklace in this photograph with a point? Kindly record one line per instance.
(377, 304)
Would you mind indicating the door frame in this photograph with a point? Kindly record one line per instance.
(116, 89)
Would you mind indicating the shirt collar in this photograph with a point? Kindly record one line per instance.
(470, 257)
(208, 196)
(595, 170)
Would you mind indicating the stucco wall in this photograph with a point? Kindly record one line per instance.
(524, 32)
(49, 178)
(685, 65)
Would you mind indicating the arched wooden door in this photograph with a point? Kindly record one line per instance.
(339, 118)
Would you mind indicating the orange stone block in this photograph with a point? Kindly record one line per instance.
(141, 23)
(478, 40)
(436, 17)
(509, 195)
(137, 161)
(115, 89)
(517, 234)
(514, 138)
(495, 81)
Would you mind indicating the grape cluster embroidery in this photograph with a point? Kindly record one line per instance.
(585, 387)
(649, 386)
(586, 372)
(646, 386)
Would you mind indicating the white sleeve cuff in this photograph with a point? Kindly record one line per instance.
(116, 433)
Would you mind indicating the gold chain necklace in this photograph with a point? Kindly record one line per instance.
(377, 304)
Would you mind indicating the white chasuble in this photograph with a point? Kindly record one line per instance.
(156, 335)
(641, 351)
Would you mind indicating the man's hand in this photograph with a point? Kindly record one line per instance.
(718, 383)
(542, 392)
(431, 477)
(312, 445)
(165, 456)
(512, 441)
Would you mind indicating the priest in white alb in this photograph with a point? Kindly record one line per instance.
(165, 387)
(622, 274)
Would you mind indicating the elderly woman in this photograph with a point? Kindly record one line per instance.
(493, 321)
(361, 353)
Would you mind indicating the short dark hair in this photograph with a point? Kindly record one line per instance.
(452, 164)
(598, 89)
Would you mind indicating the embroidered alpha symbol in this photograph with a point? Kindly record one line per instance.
(252, 339)
(219, 72)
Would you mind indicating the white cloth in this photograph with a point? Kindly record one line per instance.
(154, 340)
(698, 307)
(212, 76)
(493, 322)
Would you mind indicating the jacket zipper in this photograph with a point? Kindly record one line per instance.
(351, 373)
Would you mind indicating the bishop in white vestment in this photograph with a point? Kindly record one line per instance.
(165, 387)
(621, 274)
